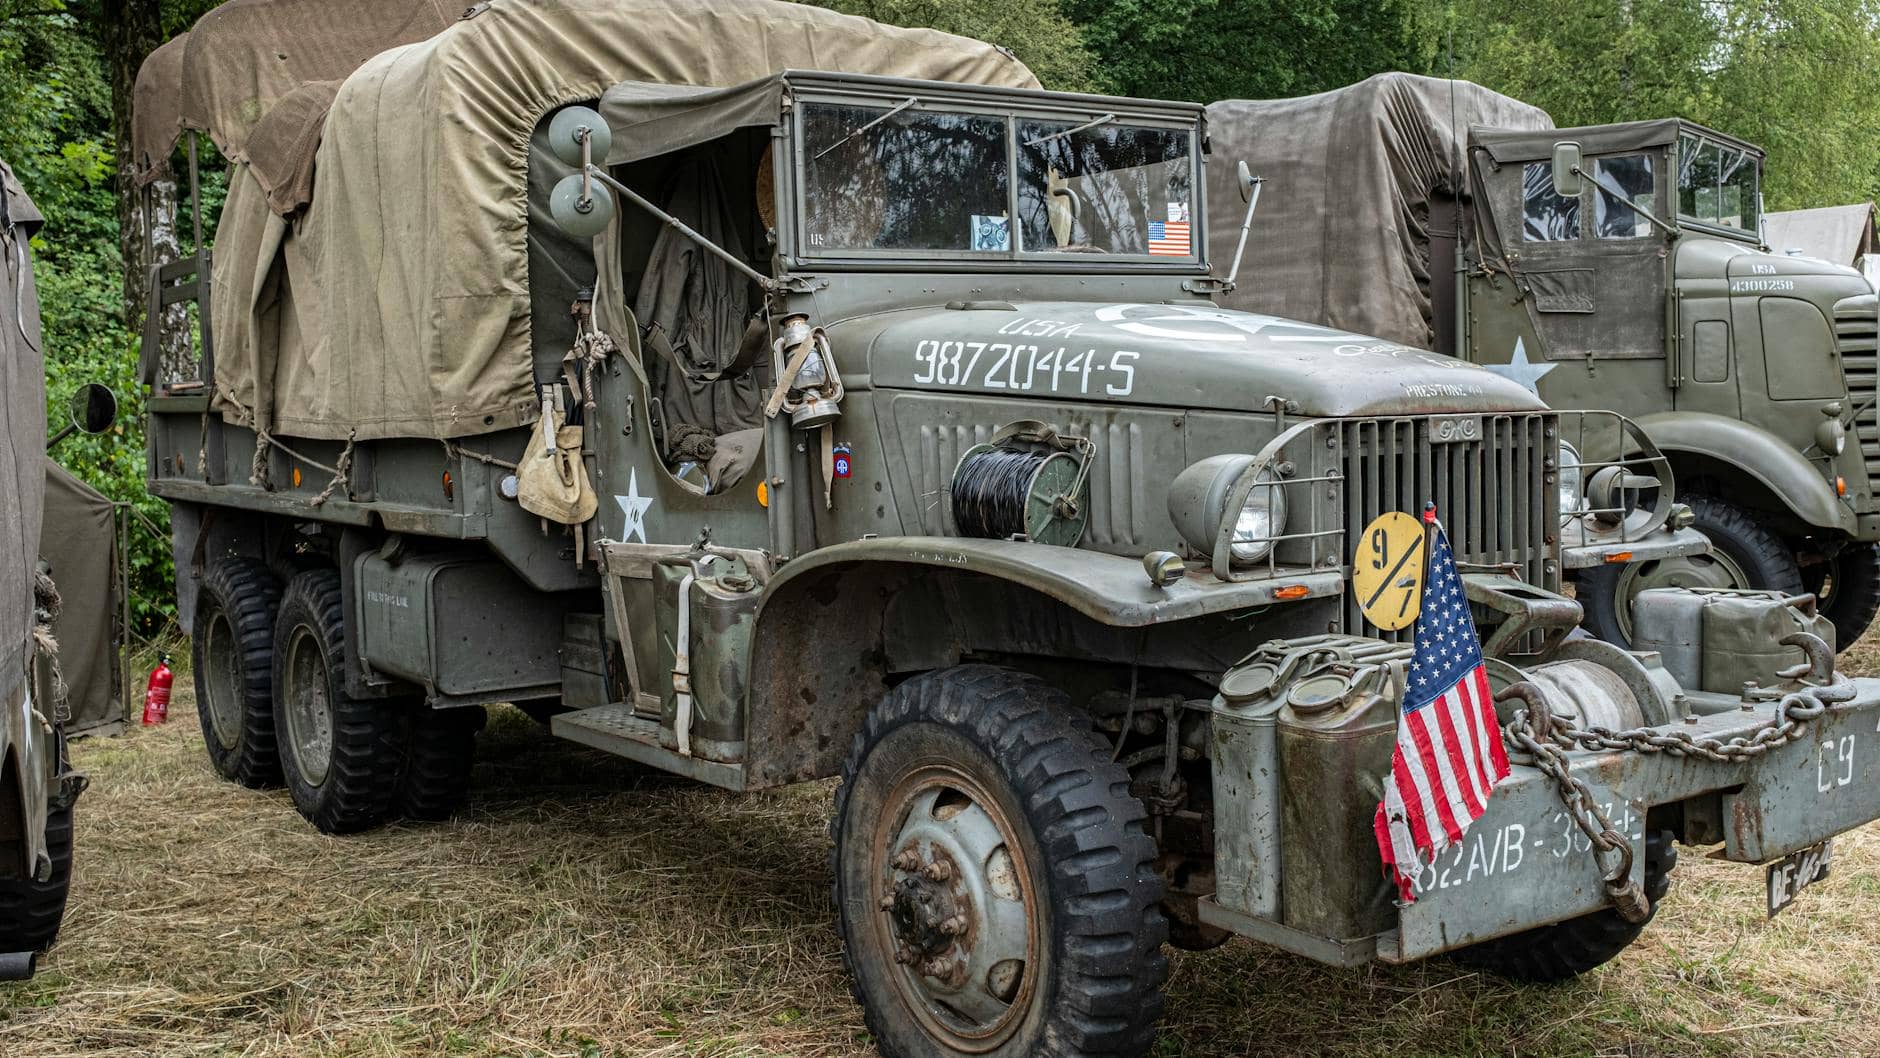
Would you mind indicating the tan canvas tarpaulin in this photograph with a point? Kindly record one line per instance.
(22, 431)
(1342, 234)
(157, 110)
(79, 543)
(417, 234)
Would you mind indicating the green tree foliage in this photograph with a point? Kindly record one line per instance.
(1204, 50)
(56, 135)
(1800, 78)
(1034, 30)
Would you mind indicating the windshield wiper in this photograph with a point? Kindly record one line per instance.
(1104, 120)
(860, 129)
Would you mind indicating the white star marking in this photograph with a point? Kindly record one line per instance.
(1519, 369)
(634, 506)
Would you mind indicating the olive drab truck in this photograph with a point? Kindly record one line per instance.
(38, 786)
(763, 425)
(1619, 267)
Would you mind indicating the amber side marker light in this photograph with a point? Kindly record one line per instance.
(1619, 556)
(1840, 486)
(296, 477)
(1292, 591)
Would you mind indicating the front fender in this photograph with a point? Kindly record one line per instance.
(1110, 589)
(1791, 479)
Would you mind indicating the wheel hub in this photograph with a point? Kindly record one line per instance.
(930, 912)
(956, 910)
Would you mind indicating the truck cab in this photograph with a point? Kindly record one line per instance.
(1649, 291)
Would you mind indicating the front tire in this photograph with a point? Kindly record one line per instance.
(1568, 949)
(995, 886)
(1744, 554)
(1848, 586)
(31, 911)
(232, 650)
(342, 757)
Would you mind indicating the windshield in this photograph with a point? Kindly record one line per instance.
(890, 179)
(1717, 184)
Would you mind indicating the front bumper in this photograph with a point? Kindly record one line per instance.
(1525, 864)
(1664, 543)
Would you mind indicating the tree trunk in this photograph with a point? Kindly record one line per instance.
(129, 31)
(161, 244)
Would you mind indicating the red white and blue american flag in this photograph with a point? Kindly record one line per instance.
(1449, 754)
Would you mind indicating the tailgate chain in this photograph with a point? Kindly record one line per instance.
(1536, 732)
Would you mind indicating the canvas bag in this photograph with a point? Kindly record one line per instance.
(552, 480)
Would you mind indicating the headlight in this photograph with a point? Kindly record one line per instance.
(1572, 488)
(1831, 436)
(1260, 521)
(1230, 509)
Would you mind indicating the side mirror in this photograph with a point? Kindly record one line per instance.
(1568, 177)
(94, 407)
(1244, 178)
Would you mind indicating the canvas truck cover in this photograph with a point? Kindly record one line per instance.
(397, 303)
(1342, 234)
(79, 543)
(23, 424)
(242, 57)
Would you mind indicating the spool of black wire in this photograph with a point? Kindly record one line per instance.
(1034, 492)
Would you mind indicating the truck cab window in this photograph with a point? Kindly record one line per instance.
(877, 179)
(1106, 188)
(1631, 174)
(1546, 216)
(1717, 184)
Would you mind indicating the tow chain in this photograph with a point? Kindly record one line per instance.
(1537, 732)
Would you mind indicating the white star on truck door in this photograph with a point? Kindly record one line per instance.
(634, 506)
(1518, 369)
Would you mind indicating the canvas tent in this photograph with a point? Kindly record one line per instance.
(79, 545)
(1359, 210)
(1838, 234)
(396, 301)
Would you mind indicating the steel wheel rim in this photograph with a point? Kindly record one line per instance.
(309, 708)
(1714, 570)
(222, 681)
(939, 815)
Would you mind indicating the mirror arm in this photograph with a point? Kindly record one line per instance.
(60, 436)
(595, 172)
(1246, 224)
(1628, 203)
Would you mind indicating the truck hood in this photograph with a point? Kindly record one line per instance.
(1182, 355)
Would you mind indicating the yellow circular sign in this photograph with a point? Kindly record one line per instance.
(1387, 570)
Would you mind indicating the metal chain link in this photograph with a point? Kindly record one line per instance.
(1536, 732)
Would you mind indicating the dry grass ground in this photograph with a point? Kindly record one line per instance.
(582, 907)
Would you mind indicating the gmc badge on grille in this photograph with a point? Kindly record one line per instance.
(1449, 429)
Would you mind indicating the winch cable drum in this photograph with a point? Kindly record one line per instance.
(1028, 483)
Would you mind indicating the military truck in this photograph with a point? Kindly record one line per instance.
(1615, 266)
(38, 786)
(875, 422)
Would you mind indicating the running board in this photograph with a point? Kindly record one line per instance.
(617, 729)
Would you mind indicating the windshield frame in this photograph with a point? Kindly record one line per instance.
(1676, 161)
(1013, 106)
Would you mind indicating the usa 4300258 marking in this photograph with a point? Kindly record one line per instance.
(1023, 367)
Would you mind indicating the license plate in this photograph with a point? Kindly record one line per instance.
(1797, 871)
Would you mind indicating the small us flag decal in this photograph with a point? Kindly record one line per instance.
(1168, 238)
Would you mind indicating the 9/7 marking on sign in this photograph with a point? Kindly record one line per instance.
(1387, 570)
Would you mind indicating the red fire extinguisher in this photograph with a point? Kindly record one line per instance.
(157, 693)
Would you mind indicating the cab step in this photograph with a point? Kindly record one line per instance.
(617, 729)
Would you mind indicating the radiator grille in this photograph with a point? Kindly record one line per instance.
(1491, 494)
(1855, 332)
